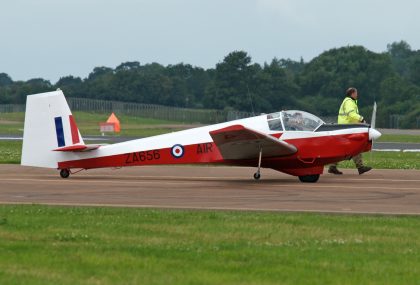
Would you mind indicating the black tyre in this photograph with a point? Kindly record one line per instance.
(257, 176)
(309, 178)
(64, 173)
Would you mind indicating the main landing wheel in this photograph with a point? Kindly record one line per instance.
(309, 178)
(257, 175)
(64, 173)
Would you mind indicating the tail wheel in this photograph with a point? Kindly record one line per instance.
(309, 178)
(64, 173)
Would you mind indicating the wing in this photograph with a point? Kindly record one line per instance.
(238, 142)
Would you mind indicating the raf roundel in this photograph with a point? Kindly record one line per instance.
(177, 151)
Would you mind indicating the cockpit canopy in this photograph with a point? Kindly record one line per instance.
(293, 120)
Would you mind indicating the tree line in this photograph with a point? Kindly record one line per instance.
(391, 78)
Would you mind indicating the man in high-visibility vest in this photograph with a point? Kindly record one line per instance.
(349, 114)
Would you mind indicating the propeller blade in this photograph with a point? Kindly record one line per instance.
(373, 134)
(373, 121)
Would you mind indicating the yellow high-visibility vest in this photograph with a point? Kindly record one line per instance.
(349, 113)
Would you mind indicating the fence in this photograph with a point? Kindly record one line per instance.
(394, 121)
(399, 121)
(11, 108)
(184, 115)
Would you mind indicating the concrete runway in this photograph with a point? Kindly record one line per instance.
(208, 187)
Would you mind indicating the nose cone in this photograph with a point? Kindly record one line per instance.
(374, 134)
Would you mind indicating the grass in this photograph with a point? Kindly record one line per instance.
(84, 245)
(400, 138)
(88, 123)
(11, 128)
(388, 160)
(10, 152)
(15, 116)
(86, 117)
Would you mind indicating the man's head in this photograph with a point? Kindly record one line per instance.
(352, 92)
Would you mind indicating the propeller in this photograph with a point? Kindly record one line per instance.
(373, 134)
(373, 121)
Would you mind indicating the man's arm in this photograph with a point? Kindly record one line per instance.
(350, 109)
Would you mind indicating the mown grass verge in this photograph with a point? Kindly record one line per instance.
(399, 138)
(84, 245)
(10, 151)
(388, 160)
(88, 123)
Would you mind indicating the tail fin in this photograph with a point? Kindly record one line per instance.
(49, 125)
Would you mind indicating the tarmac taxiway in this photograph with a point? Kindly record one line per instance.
(215, 187)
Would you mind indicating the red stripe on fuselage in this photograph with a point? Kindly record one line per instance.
(196, 153)
(312, 152)
(74, 131)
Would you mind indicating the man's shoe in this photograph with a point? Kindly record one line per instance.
(364, 169)
(334, 170)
